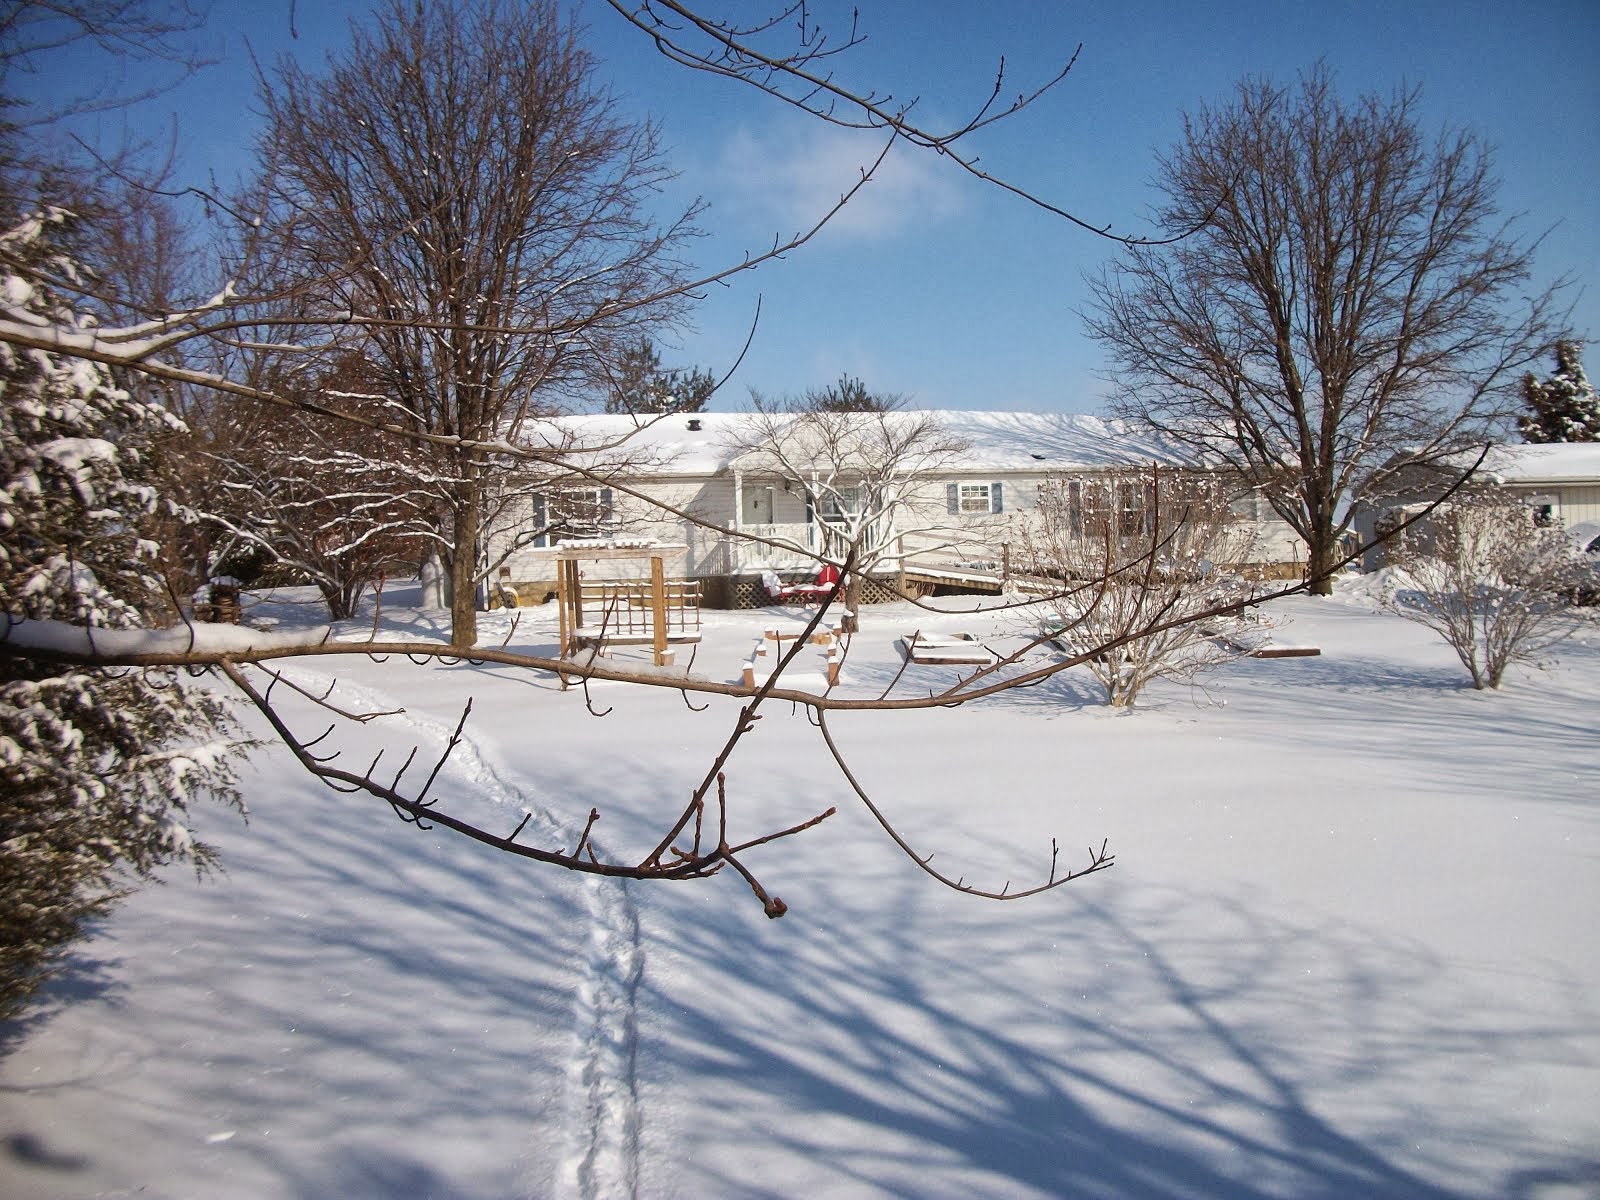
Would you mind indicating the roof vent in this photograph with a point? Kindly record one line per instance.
(694, 424)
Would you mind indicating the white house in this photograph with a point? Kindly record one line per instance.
(714, 486)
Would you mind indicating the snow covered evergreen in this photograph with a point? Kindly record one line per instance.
(97, 767)
(1564, 407)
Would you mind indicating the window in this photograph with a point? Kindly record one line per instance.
(1133, 510)
(1546, 511)
(573, 514)
(1133, 503)
(970, 499)
(1088, 506)
(838, 503)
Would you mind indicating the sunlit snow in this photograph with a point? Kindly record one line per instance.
(1347, 949)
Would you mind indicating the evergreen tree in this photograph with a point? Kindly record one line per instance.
(1564, 407)
(850, 395)
(97, 767)
(639, 384)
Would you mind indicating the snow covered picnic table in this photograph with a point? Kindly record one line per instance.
(930, 649)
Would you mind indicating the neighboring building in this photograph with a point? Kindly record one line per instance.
(1558, 481)
(703, 482)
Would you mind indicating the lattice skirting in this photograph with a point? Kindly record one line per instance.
(718, 591)
(747, 592)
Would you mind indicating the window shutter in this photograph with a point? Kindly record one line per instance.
(543, 537)
(607, 512)
(996, 504)
(952, 496)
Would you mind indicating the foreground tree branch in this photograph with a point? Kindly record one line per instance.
(700, 860)
(798, 70)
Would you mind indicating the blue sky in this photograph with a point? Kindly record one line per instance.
(938, 287)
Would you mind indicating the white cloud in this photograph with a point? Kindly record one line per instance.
(785, 183)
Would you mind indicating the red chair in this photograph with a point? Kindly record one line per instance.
(800, 593)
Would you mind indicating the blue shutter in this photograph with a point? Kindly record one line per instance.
(995, 502)
(952, 496)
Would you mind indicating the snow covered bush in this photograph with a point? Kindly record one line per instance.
(97, 766)
(1481, 574)
(1139, 555)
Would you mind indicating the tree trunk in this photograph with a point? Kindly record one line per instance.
(464, 574)
(850, 620)
(1323, 549)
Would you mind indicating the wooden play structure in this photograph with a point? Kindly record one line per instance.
(600, 613)
(759, 666)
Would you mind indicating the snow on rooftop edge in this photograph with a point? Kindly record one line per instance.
(707, 443)
(1547, 463)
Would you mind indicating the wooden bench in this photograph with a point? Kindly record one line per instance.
(949, 649)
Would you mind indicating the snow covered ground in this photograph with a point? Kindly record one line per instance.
(1348, 949)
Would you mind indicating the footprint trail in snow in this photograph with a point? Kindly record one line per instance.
(600, 1139)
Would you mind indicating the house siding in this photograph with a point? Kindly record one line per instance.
(1577, 502)
(745, 497)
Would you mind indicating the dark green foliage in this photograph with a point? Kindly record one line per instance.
(639, 385)
(1563, 407)
(97, 767)
(850, 395)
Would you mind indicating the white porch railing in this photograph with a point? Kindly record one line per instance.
(804, 540)
(749, 555)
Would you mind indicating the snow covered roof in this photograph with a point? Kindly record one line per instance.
(674, 444)
(694, 444)
(1019, 441)
(1559, 462)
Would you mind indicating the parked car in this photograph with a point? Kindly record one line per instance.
(1584, 539)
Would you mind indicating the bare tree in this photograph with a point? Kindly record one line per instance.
(146, 31)
(1145, 561)
(1484, 577)
(862, 473)
(1348, 305)
(316, 498)
(460, 177)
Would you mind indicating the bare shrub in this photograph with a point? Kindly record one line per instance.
(1142, 553)
(1483, 576)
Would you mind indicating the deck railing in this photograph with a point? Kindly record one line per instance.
(804, 540)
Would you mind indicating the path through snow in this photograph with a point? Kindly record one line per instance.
(599, 1160)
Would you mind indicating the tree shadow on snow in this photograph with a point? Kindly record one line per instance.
(347, 978)
(1145, 1046)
